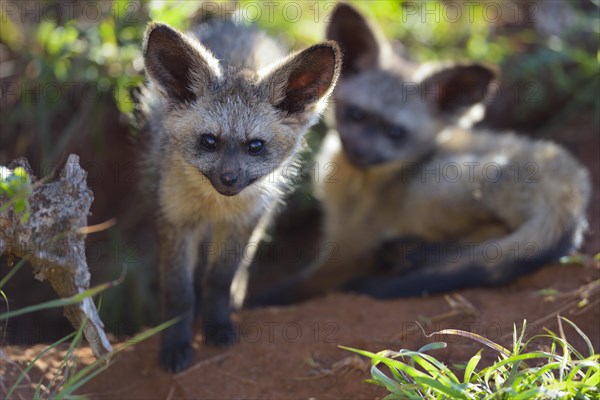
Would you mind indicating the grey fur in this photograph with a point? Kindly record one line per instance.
(405, 169)
(396, 188)
(226, 81)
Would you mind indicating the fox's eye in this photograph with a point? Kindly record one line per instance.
(397, 132)
(209, 142)
(356, 114)
(255, 147)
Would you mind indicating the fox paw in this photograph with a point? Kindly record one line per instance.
(175, 354)
(219, 334)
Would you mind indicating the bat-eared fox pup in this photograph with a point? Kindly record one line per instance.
(419, 204)
(225, 111)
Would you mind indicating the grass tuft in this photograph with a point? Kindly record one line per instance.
(561, 372)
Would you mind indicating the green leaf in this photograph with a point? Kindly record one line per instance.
(471, 365)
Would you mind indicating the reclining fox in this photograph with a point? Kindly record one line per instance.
(420, 204)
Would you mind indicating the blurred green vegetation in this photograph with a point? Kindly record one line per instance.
(92, 51)
(15, 187)
(104, 50)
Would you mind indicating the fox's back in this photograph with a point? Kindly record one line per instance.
(238, 45)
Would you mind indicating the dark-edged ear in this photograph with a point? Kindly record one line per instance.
(452, 88)
(301, 81)
(179, 65)
(358, 40)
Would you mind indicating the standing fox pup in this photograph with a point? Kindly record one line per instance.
(436, 206)
(222, 124)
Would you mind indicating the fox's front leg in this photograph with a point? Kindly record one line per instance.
(225, 255)
(177, 260)
(331, 270)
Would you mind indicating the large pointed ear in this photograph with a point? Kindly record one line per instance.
(452, 88)
(302, 80)
(361, 43)
(180, 66)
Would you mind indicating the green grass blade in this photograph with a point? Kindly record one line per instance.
(146, 334)
(440, 388)
(70, 351)
(435, 368)
(7, 310)
(471, 365)
(585, 338)
(527, 395)
(474, 336)
(432, 346)
(512, 360)
(66, 393)
(400, 376)
(411, 371)
(384, 380)
(517, 343)
(375, 358)
(67, 301)
(11, 273)
(545, 369)
(566, 354)
(38, 389)
(101, 362)
(577, 369)
(31, 364)
(594, 380)
(365, 353)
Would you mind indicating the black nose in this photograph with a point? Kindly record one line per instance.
(229, 178)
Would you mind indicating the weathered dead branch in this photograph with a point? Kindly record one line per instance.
(52, 239)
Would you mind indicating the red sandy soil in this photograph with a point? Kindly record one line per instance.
(292, 352)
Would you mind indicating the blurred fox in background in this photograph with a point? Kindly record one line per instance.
(419, 201)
